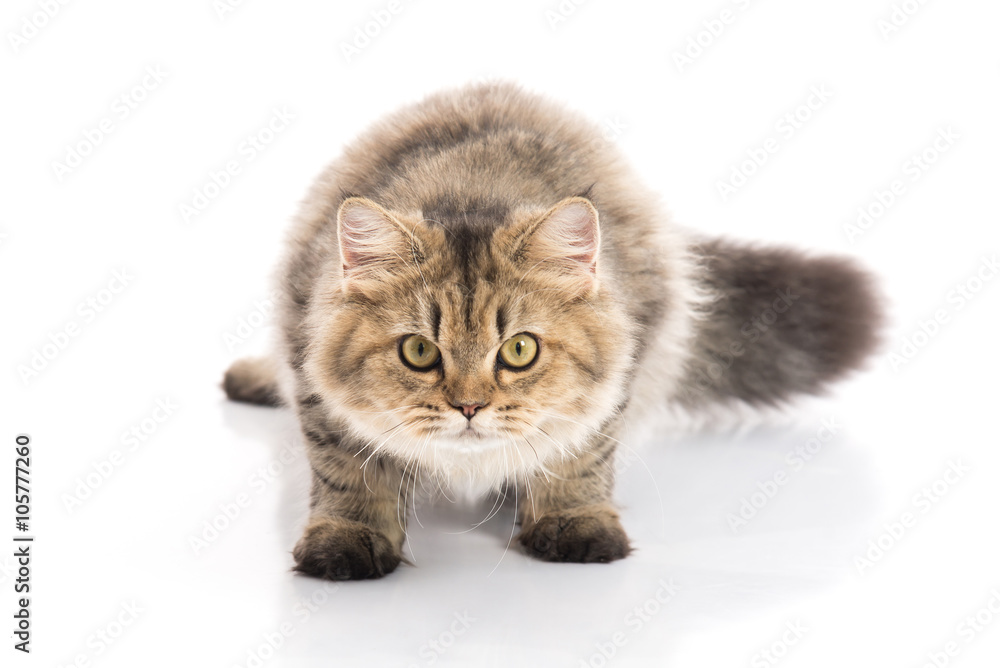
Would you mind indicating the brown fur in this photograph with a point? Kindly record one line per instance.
(488, 212)
(252, 380)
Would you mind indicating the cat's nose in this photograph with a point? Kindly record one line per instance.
(468, 410)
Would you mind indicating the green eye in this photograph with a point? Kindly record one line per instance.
(418, 352)
(519, 351)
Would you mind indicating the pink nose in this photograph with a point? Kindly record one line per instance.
(468, 410)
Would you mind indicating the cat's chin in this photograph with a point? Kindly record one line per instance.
(476, 459)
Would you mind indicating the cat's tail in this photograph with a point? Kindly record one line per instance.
(777, 322)
(253, 380)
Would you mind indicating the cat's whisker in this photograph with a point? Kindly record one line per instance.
(434, 451)
(513, 526)
(579, 424)
(372, 440)
(413, 494)
(399, 493)
(577, 455)
(611, 469)
(364, 465)
(537, 458)
(391, 410)
(527, 474)
(540, 466)
(497, 506)
(642, 461)
(494, 509)
(375, 438)
(560, 448)
(498, 502)
(527, 481)
(400, 516)
(441, 488)
(628, 430)
(562, 451)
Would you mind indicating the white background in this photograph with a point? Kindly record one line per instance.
(163, 337)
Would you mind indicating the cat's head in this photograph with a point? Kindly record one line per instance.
(468, 346)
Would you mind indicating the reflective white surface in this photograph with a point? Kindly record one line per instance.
(117, 577)
(694, 590)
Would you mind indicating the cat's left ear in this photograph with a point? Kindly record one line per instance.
(565, 240)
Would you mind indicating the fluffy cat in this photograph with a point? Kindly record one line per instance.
(480, 290)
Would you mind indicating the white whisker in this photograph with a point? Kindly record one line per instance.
(513, 526)
(656, 487)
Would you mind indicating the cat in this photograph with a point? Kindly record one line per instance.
(481, 291)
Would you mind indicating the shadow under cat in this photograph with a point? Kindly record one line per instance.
(704, 510)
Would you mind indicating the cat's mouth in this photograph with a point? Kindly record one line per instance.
(472, 433)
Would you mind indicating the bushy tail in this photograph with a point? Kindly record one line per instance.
(253, 380)
(778, 322)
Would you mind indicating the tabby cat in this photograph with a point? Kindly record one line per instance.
(481, 292)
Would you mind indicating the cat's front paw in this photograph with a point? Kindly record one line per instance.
(339, 549)
(584, 534)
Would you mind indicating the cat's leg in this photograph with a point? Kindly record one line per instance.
(567, 514)
(253, 380)
(357, 514)
(779, 322)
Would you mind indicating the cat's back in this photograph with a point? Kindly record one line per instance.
(478, 151)
(487, 144)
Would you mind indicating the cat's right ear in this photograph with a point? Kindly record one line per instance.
(373, 243)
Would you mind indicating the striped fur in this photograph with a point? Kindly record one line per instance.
(487, 212)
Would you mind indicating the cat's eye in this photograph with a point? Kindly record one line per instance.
(418, 352)
(519, 351)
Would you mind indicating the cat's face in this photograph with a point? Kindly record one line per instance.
(488, 354)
